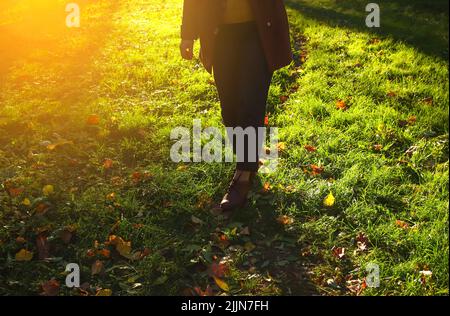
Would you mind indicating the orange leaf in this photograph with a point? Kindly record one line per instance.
(391, 94)
(93, 119)
(105, 253)
(401, 224)
(15, 192)
(341, 105)
(285, 220)
(310, 148)
(108, 163)
(316, 170)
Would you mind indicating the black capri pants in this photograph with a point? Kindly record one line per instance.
(242, 78)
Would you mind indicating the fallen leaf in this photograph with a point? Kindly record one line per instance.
(48, 189)
(24, 255)
(266, 187)
(181, 167)
(20, 240)
(42, 208)
(281, 146)
(103, 292)
(50, 288)
(93, 119)
(401, 224)
(108, 163)
(221, 284)
(136, 177)
(97, 267)
(338, 252)
(218, 269)
(15, 192)
(374, 40)
(341, 105)
(377, 147)
(26, 202)
(316, 170)
(42, 246)
(428, 101)
(104, 252)
(310, 148)
(361, 242)
(145, 252)
(285, 220)
(329, 200)
(412, 120)
(391, 94)
(122, 247)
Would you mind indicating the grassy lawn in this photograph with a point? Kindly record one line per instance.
(86, 175)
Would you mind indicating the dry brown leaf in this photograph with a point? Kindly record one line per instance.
(42, 246)
(285, 220)
(50, 288)
(97, 267)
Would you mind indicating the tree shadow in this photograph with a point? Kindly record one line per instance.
(419, 23)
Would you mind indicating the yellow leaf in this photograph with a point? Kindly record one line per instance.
(221, 283)
(104, 292)
(48, 189)
(26, 202)
(24, 255)
(329, 200)
(123, 247)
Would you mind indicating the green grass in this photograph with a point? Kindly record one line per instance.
(123, 65)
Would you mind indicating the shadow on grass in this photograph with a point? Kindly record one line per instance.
(278, 255)
(420, 23)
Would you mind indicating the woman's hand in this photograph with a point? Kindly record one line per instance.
(186, 49)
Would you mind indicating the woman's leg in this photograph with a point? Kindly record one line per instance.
(243, 81)
(254, 81)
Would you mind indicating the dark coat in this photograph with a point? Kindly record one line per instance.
(202, 17)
